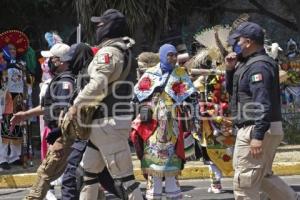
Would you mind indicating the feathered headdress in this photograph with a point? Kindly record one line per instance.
(215, 48)
(215, 44)
(242, 18)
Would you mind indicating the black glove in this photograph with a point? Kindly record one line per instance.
(53, 135)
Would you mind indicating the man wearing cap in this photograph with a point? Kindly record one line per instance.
(108, 140)
(56, 100)
(252, 80)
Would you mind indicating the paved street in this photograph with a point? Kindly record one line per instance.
(193, 190)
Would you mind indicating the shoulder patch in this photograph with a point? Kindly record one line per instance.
(103, 58)
(256, 77)
(66, 85)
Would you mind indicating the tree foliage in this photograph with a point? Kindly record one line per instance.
(154, 17)
(151, 14)
(35, 17)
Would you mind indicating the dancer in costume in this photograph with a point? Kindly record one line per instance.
(215, 137)
(13, 44)
(157, 132)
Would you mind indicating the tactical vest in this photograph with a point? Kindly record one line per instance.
(48, 101)
(123, 90)
(241, 98)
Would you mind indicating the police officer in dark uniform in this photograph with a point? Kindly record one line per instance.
(56, 100)
(252, 80)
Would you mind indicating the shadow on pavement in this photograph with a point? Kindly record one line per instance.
(13, 192)
(296, 187)
(186, 188)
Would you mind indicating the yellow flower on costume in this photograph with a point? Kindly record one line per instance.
(167, 99)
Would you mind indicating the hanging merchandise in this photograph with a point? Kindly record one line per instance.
(290, 63)
(290, 87)
(15, 79)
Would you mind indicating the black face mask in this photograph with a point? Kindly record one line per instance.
(112, 28)
(52, 67)
(100, 35)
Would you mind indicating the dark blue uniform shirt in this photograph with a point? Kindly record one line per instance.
(57, 97)
(261, 83)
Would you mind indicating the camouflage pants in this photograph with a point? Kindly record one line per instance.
(110, 137)
(51, 168)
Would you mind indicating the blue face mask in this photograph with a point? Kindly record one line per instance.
(237, 49)
(163, 56)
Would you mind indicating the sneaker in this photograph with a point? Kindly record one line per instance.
(215, 188)
(5, 166)
(50, 195)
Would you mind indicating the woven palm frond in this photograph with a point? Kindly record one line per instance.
(208, 39)
(215, 41)
(242, 18)
(200, 58)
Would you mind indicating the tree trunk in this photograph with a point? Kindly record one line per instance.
(156, 37)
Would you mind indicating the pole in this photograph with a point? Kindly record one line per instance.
(78, 39)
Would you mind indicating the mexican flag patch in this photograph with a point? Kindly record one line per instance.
(103, 58)
(256, 78)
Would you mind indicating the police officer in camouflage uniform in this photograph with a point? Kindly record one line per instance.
(56, 99)
(72, 177)
(108, 144)
(252, 79)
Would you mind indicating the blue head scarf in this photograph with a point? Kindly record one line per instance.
(163, 54)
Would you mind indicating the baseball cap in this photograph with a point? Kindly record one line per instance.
(248, 30)
(110, 14)
(60, 50)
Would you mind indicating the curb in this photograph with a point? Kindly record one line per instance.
(190, 172)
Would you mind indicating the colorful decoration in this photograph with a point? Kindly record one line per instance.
(179, 85)
(290, 65)
(216, 128)
(145, 84)
(17, 38)
(150, 80)
(221, 159)
(2, 62)
(179, 88)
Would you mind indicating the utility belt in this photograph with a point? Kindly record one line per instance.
(244, 124)
(101, 112)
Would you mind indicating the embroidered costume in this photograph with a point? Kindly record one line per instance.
(159, 141)
(13, 44)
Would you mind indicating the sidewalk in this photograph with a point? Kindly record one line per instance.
(287, 162)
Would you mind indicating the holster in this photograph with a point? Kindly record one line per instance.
(146, 114)
(78, 128)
